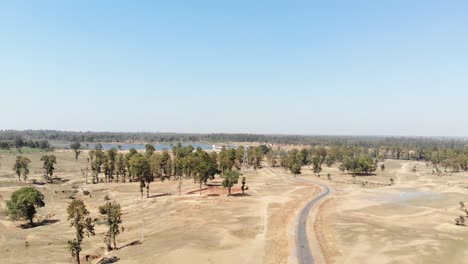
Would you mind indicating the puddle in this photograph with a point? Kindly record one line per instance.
(405, 196)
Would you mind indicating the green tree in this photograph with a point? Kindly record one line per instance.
(48, 165)
(295, 168)
(139, 167)
(76, 149)
(205, 170)
(149, 150)
(360, 165)
(230, 177)
(79, 218)
(113, 219)
(109, 164)
(155, 163)
(317, 165)
(244, 187)
(120, 167)
(21, 167)
(23, 204)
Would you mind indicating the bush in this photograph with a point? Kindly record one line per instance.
(23, 204)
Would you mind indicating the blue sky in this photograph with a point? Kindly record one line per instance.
(289, 67)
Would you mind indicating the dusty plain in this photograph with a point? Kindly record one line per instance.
(165, 228)
(411, 221)
(366, 220)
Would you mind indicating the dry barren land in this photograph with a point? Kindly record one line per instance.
(365, 221)
(166, 228)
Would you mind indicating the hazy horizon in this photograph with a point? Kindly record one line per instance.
(229, 133)
(336, 68)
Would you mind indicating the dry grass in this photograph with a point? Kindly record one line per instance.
(191, 228)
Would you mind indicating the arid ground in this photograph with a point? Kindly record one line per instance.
(166, 228)
(410, 221)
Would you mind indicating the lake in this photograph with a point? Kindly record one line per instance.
(126, 146)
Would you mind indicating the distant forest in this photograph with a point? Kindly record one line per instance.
(40, 136)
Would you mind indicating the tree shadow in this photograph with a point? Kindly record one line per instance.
(107, 260)
(134, 243)
(239, 194)
(213, 184)
(159, 195)
(35, 182)
(38, 224)
(361, 174)
(213, 194)
(58, 180)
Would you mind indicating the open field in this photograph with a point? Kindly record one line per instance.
(166, 228)
(408, 222)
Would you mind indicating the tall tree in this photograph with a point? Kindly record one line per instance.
(317, 165)
(79, 218)
(21, 167)
(244, 187)
(230, 177)
(205, 170)
(139, 167)
(23, 204)
(48, 166)
(76, 149)
(113, 219)
(109, 164)
(120, 167)
(149, 150)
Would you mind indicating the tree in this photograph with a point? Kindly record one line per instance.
(76, 148)
(21, 167)
(23, 204)
(317, 166)
(97, 158)
(48, 166)
(120, 167)
(295, 168)
(109, 163)
(460, 220)
(382, 167)
(231, 177)
(205, 170)
(113, 218)
(360, 165)
(243, 188)
(79, 218)
(149, 150)
(139, 167)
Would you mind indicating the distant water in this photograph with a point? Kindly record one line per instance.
(142, 146)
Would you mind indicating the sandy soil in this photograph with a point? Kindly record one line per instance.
(166, 228)
(408, 222)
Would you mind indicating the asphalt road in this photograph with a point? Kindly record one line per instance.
(302, 243)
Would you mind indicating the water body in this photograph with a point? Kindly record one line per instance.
(407, 196)
(142, 146)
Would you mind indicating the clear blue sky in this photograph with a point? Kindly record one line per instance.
(291, 67)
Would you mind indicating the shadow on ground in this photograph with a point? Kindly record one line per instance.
(42, 223)
(109, 260)
(134, 243)
(159, 195)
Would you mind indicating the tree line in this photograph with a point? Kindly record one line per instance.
(182, 162)
(365, 160)
(18, 142)
(312, 140)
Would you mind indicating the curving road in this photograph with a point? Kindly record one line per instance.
(302, 243)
